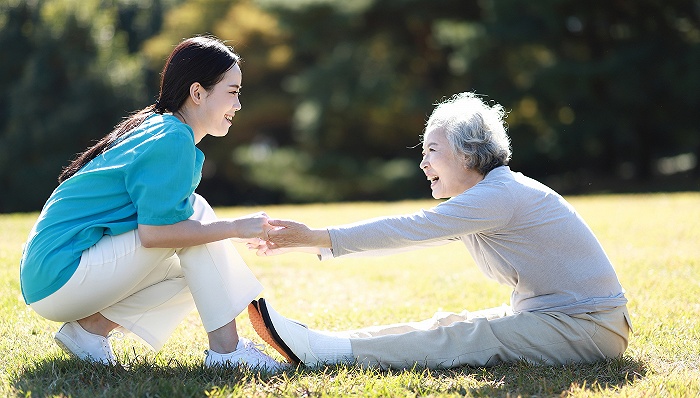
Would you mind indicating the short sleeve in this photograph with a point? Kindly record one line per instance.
(161, 179)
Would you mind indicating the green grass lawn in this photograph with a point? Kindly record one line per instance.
(653, 240)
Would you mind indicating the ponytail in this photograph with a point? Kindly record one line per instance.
(119, 131)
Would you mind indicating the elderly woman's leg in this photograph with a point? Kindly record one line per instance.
(438, 319)
(549, 337)
(540, 337)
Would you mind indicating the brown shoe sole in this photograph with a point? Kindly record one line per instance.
(267, 333)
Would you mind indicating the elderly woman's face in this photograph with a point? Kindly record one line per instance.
(445, 169)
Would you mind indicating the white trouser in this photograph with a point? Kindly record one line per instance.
(150, 291)
(492, 336)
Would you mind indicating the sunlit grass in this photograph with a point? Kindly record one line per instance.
(653, 240)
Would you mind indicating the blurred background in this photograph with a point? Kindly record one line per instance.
(602, 95)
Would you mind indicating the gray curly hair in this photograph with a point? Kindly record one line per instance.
(474, 129)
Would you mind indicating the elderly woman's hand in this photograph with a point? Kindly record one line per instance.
(287, 233)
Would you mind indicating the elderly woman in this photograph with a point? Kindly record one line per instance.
(567, 304)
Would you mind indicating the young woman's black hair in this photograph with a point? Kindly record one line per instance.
(202, 60)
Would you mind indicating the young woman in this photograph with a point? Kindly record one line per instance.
(567, 303)
(124, 242)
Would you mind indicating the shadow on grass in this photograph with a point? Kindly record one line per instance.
(140, 378)
(526, 378)
(506, 380)
(70, 377)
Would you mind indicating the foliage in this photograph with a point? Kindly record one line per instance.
(601, 96)
(363, 84)
(592, 89)
(600, 87)
(651, 239)
(70, 77)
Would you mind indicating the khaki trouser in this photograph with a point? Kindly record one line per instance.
(150, 291)
(488, 337)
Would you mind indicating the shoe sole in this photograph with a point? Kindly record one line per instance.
(65, 347)
(262, 324)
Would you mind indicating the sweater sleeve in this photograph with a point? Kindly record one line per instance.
(484, 207)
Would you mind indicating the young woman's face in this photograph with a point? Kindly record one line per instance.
(446, 171)
(220, 103)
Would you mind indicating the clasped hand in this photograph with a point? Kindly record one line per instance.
(284, 236)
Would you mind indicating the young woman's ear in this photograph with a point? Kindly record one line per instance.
(196, 92)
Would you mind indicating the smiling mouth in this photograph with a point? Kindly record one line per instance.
(229, 118)
(433, 179)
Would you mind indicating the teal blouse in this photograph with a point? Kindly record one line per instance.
(148, 177)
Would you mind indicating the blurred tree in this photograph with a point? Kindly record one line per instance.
(598, 89)
(364, 75)
(336, 92)
(69, 81)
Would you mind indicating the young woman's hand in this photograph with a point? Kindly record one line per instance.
(287, 233)
(253, 226)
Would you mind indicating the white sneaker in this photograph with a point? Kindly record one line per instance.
(80, 343)
(248, 354)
